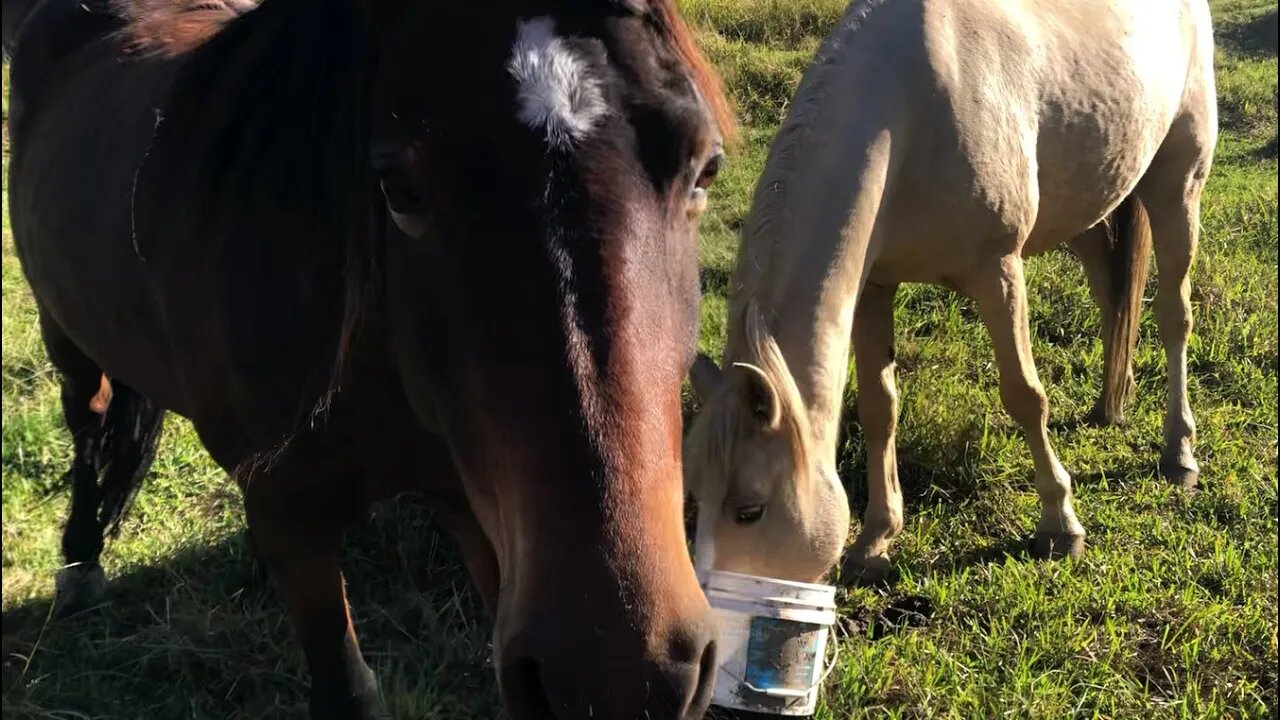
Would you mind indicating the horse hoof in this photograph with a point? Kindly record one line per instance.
(1055, 546)
(1186, 478)
(854, 572)
(78, 588)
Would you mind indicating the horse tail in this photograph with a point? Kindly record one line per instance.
(131, 432)
(1129, 231)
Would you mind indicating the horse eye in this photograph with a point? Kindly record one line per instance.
(709, 172)
(749, 514)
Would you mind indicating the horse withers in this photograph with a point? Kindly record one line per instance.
(370, 247)
(943, 142)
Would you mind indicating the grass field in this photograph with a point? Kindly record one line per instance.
(1170, 614)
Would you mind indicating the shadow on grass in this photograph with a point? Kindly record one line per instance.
(1256, 38)
(1266, 151)
(199, 636)
(996, 553)
(930, 474)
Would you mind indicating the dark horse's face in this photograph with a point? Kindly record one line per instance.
(543, 168)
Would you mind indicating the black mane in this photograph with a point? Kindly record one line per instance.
(262, 145)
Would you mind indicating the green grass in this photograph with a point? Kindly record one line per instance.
(1170, 614)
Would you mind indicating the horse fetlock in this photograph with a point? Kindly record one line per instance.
(878, 531)
(79, 587)
(1058, 516)
(1056, 545)
(867, 566)
(1102, 416)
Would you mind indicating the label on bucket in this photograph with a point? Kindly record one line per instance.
(782, 654)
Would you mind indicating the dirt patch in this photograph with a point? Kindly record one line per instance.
(906, 613)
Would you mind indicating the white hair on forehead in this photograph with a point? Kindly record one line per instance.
(555, 88)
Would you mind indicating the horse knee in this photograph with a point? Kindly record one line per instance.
(1025, 401)
(877, 406)
(1174, 318)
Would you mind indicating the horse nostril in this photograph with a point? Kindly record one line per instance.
(692, 658)
(524, 694)
(705, 683)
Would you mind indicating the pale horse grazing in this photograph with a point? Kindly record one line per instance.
(943, 142)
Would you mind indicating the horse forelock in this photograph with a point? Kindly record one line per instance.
(768, 357)
(727, 421)
(676, 33)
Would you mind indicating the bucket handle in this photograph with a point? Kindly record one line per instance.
(833, 643)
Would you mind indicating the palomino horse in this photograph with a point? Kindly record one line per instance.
(943, 142)
(375, 246)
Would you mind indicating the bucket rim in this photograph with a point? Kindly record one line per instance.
(822, 617)
(737, 582)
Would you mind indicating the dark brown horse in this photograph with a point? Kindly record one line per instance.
(370, 246)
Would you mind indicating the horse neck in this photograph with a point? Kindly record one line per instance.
(807, 300)
(810, 239)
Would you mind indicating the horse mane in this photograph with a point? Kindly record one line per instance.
(726, 419)
(298, 206)
(793, 134)
(675, 32)
(173, 27)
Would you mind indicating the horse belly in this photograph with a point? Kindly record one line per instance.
(105, 308)
(1084, 173)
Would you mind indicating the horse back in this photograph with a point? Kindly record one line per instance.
(1056, 109)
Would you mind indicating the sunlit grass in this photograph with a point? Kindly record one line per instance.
(1171, 613)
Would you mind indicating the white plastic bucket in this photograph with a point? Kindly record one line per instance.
(773, 642)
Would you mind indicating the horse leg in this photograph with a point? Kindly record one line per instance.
(80, 583)
(477, 552)
(868, 561)
(1002, 303)
(1093, 249)
(1173, 205)
(300, 544)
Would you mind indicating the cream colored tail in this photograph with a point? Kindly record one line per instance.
(1130, 252)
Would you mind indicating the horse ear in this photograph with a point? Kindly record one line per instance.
(705, 376)
(759, 394)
